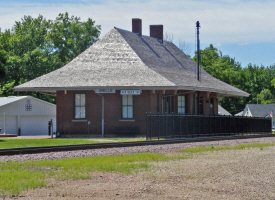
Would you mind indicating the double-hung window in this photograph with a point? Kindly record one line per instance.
(127, 107)
(80, 106)
(181, 104)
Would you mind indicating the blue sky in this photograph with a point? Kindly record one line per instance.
(242, 29)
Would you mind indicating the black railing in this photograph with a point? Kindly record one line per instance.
(177, 126)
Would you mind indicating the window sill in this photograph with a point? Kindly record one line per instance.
(127, 120)
(79, 120)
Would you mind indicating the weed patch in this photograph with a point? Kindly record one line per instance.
(220, 148)
(16, 177)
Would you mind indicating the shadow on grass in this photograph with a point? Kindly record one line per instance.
(3, 141)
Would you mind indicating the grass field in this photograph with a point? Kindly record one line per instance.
(16, 177)
(16, 143)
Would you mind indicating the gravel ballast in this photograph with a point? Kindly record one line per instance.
(129, 150)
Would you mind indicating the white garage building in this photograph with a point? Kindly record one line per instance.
(27, 115)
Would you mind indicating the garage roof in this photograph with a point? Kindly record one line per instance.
(10, 99)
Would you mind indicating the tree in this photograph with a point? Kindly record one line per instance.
(185, 48)
(3, 60)
(253, 79)
(69, 37)
(36, 46)
(265, 97)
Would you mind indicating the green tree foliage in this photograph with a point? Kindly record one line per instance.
(252, 79)
(36, 46)
(69, 37)
(265, 97)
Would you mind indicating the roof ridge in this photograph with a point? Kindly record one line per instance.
(140, 37)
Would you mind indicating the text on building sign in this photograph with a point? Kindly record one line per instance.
(130, 92)
(105, 91)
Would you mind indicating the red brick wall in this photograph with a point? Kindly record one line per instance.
(65, 112)
(146, 102)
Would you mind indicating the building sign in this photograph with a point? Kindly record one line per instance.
(105, 91)
(130, 92)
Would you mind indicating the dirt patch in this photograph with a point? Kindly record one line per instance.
(234, 174)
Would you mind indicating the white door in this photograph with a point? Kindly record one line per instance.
(36, 125)
(11, 125)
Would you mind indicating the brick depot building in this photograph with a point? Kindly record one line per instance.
(124, 75)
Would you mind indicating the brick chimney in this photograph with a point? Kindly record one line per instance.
(137, 26)
(156, 31)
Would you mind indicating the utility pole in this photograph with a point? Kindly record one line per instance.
(198, 62)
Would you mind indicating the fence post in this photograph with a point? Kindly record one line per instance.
(166, 126)
(215, 129)
(173, 124)
(204, 125)
(257, 128)
(210, 124)
(180, 124)
(246, 128)
(225, 128)
(150, 126)
(221, 128)
(146, 126)
(158, 126)
(193, 125)
(199, 118)
(264, 125)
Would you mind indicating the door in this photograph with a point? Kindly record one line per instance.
(36, 125)
(11, 125)
(167, 104)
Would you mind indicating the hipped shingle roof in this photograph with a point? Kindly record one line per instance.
(122, 59)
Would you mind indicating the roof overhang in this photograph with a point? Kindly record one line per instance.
(54, 89)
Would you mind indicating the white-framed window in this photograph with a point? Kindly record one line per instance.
(181, 104)
(80, 106)
(127, 107)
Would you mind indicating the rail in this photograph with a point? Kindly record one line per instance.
(45, 149)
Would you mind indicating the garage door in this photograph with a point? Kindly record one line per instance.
(36, 125)
(11, 124)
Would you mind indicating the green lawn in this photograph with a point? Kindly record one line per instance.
(15, 143)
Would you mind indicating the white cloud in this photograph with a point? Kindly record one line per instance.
(235, 21)
(243, 44)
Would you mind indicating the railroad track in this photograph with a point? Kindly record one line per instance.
(31, 150)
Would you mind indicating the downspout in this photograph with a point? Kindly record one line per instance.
(102, 125)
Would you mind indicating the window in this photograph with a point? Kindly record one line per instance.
(168, 104)
(181, 104)
(127, 107)
(28, 106)
(80, 106)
